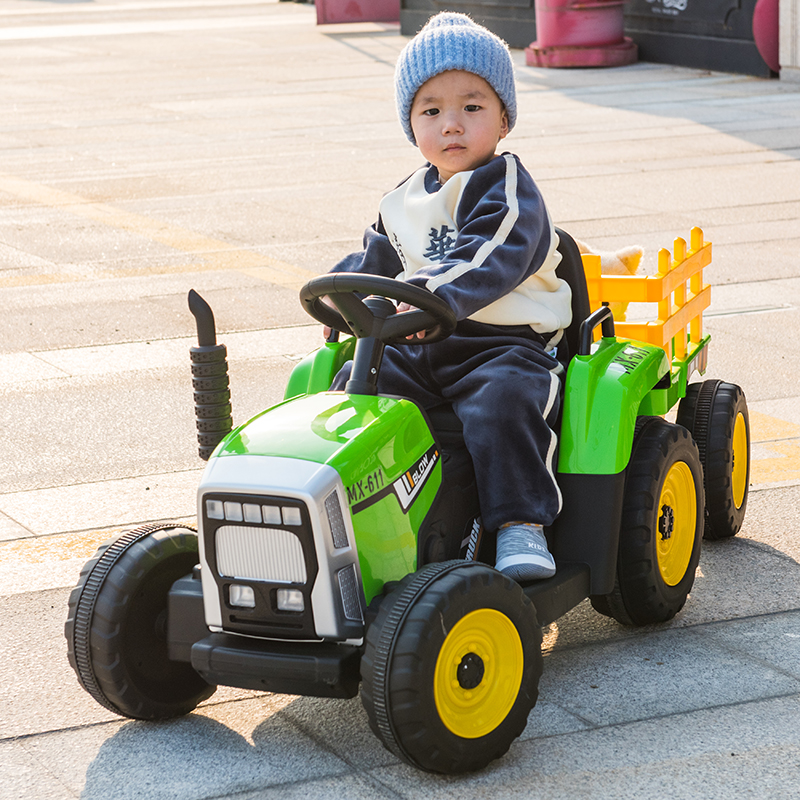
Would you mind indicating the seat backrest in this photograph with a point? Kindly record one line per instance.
(571, 270)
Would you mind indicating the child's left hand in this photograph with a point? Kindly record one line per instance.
(402, 308)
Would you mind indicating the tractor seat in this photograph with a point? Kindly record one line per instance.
(571, 270)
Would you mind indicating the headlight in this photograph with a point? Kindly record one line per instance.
(242, 596)
(290, 600)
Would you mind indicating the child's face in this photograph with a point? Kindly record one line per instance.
(457, 119)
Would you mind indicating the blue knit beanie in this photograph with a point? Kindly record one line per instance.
(453, 41)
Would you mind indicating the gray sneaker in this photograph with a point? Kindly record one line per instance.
(522, 553)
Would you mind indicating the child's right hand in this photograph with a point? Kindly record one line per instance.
(327, 330)
(402, 308)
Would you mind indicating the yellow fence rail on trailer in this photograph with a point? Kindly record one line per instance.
(678, 289)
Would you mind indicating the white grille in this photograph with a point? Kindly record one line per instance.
(261, 554)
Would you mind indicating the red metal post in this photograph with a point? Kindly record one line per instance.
(580, 33)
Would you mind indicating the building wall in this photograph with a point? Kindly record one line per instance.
(728, 47)
(790, 40)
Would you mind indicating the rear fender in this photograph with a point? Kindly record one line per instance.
(602, 397)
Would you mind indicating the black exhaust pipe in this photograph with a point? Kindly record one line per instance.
(212, 396)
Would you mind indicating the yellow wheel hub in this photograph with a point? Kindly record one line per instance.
(478, 673)
(677, 521)
(739, 456)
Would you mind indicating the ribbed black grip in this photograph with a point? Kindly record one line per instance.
(212, 398)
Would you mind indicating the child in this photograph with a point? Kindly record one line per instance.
(471, 227)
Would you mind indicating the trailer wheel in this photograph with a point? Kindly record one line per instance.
(451, 667)
(662, 528)
(716, 415)
(116, 628)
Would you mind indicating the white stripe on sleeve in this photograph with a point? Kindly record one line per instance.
(500, 236)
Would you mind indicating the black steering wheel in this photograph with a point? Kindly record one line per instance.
(354, 315)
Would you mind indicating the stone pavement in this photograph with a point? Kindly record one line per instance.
(236, 148)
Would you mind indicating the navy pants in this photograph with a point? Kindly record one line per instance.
(506, 390)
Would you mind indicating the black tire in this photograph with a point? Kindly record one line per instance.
(662, 528)
(116, 628)
(715, 413)
(451, 667)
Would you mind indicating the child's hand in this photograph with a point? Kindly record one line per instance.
(326, 329)
(402, 308)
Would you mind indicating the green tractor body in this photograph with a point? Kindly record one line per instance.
(339, 534)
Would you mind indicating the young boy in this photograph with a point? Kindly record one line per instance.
(471, 227)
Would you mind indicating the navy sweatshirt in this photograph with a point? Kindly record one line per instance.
(483, 241)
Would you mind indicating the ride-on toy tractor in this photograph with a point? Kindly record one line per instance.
(339, 537)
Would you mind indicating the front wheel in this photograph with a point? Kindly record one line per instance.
(451, 667)
(662, 528)
(116, 628)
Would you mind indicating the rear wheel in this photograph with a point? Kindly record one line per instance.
(715, 413)
(452, 666)
(662, 528)
(116, 629)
